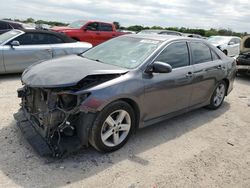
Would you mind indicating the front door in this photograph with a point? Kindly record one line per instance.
(92, 34)
(169, 92)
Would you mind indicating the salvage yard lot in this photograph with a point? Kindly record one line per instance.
(199, 149)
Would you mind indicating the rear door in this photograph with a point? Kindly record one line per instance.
(208, 69)
(33, 47)
(106, 31)
(169, 92)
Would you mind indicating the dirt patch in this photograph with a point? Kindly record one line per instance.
(199, 149)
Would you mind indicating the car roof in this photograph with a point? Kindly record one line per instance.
(11, 22)
(160, 30)
(160, 37)
(62, 36)
(225, 36)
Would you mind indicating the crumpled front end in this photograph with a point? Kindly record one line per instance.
(49, 119)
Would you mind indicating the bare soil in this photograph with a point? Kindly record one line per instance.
(199, 149)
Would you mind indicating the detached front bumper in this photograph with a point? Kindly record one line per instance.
(44, 148)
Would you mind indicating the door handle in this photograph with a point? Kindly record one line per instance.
(97, 33)
(189, 74)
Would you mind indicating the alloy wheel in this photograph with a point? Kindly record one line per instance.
(219, 95)
(116, 128)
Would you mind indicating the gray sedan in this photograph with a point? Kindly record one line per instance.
(19, 49)
(124, 84)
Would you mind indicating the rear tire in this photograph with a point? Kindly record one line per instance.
(218, 96)
(112, 127)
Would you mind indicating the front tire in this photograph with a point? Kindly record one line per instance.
(218, 96)
(112, 127)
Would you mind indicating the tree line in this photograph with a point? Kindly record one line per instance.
(137, 28)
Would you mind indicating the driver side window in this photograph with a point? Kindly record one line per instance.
(175, 54)
(93, 26)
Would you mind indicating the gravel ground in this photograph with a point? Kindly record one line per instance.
(199, 149)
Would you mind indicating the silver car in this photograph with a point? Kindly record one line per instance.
(126, 83)
(21, 48)
(229, 45)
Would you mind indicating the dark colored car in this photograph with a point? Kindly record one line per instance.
(193, 35)
(160, 32)
(103, 95)
(6, 25)
(243, 60)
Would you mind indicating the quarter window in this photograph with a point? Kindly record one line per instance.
(200, 52)
(175, 54)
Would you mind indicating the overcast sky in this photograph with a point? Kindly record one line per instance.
(233, 14)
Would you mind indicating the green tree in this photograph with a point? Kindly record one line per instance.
(117, 25)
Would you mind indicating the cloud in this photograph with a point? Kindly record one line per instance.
(233, 14)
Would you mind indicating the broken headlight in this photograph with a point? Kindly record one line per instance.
(69, 101)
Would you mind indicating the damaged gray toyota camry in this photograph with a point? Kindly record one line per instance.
(102, 96)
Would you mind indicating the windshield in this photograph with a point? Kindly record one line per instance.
(126, 52)
(218, 39)
(77, 24)
(8, 35)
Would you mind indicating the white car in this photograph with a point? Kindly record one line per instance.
(230, 45)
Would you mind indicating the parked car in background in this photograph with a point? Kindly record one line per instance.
(229, 45)
(94, 32)
(6, 25)
(129, 82)
(161, 32)
(243, 60)
(193, 35)
(21, 48)
(126, 31)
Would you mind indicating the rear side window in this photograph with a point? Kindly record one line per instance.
(105, 27)
(52, 39)
(92, 26)
(175, 54)
(38, 38)
(200, 52)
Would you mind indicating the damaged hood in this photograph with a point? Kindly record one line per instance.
(66, 71)
(245, 44)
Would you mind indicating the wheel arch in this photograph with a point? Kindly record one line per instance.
(136, 109)
(227, 84)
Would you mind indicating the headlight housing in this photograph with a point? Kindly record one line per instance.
(68, 101)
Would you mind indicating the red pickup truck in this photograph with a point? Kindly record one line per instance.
(94, 32)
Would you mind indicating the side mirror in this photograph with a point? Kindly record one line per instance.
(15, 43)
(159, 67)
(231, 43)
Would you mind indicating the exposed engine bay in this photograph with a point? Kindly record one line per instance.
(55, 116)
